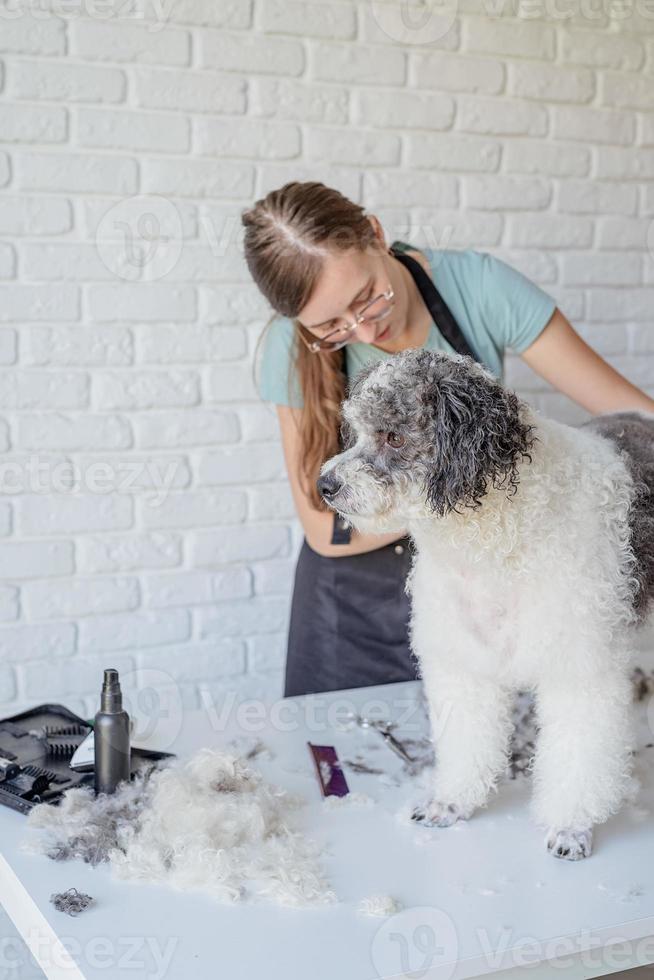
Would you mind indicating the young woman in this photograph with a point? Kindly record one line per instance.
(342, 297)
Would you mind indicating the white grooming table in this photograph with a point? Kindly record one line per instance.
(480, 898)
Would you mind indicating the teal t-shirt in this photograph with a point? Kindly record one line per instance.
(495, 305)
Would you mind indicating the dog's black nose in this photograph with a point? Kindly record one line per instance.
(328, 486)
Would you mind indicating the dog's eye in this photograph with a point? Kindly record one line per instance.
(395, 440)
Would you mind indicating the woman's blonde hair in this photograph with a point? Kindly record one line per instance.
(288, 233)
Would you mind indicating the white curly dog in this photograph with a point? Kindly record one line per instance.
(534, 564)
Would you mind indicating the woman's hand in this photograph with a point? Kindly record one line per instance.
(561, 357)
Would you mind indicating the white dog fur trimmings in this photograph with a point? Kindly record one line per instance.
(210, 824)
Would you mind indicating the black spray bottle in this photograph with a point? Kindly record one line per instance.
(111, 736)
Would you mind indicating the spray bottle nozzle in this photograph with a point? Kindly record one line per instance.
(111, 696)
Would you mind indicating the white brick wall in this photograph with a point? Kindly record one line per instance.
(146, 521)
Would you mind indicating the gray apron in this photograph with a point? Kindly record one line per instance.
(349, 621)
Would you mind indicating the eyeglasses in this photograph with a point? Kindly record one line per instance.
(377, 309)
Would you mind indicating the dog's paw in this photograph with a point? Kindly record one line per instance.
(431, 813)
(573, 845)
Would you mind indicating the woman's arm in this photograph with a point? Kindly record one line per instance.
(561, 357)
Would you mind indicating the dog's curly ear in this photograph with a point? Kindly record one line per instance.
(479, 435)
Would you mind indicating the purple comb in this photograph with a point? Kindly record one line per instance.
(330, 775)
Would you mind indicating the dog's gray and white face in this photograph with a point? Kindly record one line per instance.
(424, 433)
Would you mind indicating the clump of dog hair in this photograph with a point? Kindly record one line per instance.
(210, 824)
(381, 905)
(72, 901)
(522, 747)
